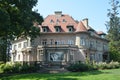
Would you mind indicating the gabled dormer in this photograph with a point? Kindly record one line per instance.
(57, 28)
(70, 28)
(92, 31)
(101, 34)
(45, 29)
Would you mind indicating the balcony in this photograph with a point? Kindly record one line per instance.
(27, 49)
(59, 46)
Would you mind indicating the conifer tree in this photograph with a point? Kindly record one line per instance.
(113, 27)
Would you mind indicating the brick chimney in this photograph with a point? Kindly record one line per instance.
(85, 22)
(58, 13)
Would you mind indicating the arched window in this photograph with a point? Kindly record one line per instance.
(57, 28)
(70, 28)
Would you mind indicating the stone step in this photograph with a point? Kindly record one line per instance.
(53, 69)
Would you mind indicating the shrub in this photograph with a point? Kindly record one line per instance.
(114, 65)
(1, 62)
(1, 67)
(76, 67)
(104, 65)
(8, 68)
(17, 68)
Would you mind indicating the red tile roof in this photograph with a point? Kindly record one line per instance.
(100, 32)
(81, 27)
(63, 21)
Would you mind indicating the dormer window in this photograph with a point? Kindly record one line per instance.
(64, 20)
(70, 28)
(57, 28)
(45, 28)
(101, 34)
(51, 21)
(57, 21)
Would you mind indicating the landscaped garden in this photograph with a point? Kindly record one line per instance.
(113, 74)
(78, 71)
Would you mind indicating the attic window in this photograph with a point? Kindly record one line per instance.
(57, 28)
(64, 20)
(51, 21)
(70, 28)
(57, 20)
(45, 28)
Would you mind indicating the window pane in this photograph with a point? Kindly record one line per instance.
(25, 44)
(19, 45)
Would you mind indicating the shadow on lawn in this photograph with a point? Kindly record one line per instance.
(59, 76)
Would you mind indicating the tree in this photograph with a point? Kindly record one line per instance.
(113, 27)
(16, 20)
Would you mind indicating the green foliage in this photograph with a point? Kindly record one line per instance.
(17, 19)
(104, 65)
(113, 74)
(21, 16)
(10, 67)
(1, 62)
(113, 26)
(76, 67)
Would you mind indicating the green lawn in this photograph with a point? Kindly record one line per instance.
(113, 74)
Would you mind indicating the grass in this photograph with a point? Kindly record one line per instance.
(113, 74)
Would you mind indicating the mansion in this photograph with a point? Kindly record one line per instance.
(62, 40)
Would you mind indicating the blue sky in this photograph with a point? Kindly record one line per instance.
(94, 10)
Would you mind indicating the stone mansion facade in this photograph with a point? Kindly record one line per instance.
(62, 40)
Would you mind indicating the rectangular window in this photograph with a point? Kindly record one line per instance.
(25, 44)
(44, 42)
(15, 47)
(82, 41)
(18, 57)
(14, 57)
(40, 55)
(92, 57)
(70, 42)
(19, 45)
(91, 44)
(51, 41)
(57, 42)
(71, 56)
(62, 42)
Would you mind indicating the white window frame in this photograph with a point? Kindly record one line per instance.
(45, 29)
(57, 29)
(19, 45)
(70, 29)
(25, 44)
